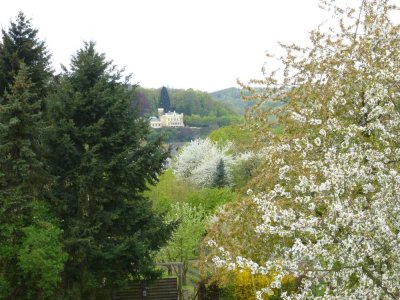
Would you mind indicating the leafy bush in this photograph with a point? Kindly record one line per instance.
(211, 198)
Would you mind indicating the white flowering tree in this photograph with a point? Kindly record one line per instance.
(198, 161)
(331, 187)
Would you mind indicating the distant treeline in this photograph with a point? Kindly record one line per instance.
(189, 102)
(199, 108)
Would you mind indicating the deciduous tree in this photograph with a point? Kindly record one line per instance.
(185, 241)
(198, 161)
(331, 182)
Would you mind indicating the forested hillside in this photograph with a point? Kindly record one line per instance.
(190, 102)
(201, 112)
(232, 98)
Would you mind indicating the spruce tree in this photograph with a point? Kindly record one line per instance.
(20, 44)
(220, 179)
(164, 101)
(21, 164)
(103, 162)
(24, 78)
(22, 179)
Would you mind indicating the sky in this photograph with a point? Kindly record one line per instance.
(201, 44)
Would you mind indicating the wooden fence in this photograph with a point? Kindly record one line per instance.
(161, 289)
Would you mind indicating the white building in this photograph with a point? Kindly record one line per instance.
(169, 119)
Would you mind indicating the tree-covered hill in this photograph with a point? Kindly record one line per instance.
(231, 97)
(189, 102)
(199, 108)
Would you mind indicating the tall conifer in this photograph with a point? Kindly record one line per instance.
(164, 101)
(24, 78)
(103, 163)
(20, 44)
(22, 180)
(220, 178)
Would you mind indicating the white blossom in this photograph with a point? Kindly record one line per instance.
(198, 160)
(340, 234)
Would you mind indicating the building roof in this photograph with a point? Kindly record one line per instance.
(172, 113)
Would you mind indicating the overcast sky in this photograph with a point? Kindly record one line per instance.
(200, 44)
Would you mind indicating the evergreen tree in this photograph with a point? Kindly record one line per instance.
(220, 179)
(22, 179)
(20, 45)
(20, 124)
(164, 101)
(24, 76)
(103, 163)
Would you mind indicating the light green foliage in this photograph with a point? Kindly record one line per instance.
(41, 256)
(168, 191)
(31, 252)
(185, 240)
(247, 162)
(211, 198)
(188, 206)
(239, 135)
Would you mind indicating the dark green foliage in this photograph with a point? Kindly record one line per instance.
(21, 167)
(20, 45)
(103, 162)
(180, 134)
(19, 174)
(191, 102)
(26, 235)
(30, 252)
(212, 121)
(220, 178)
(164, 101)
